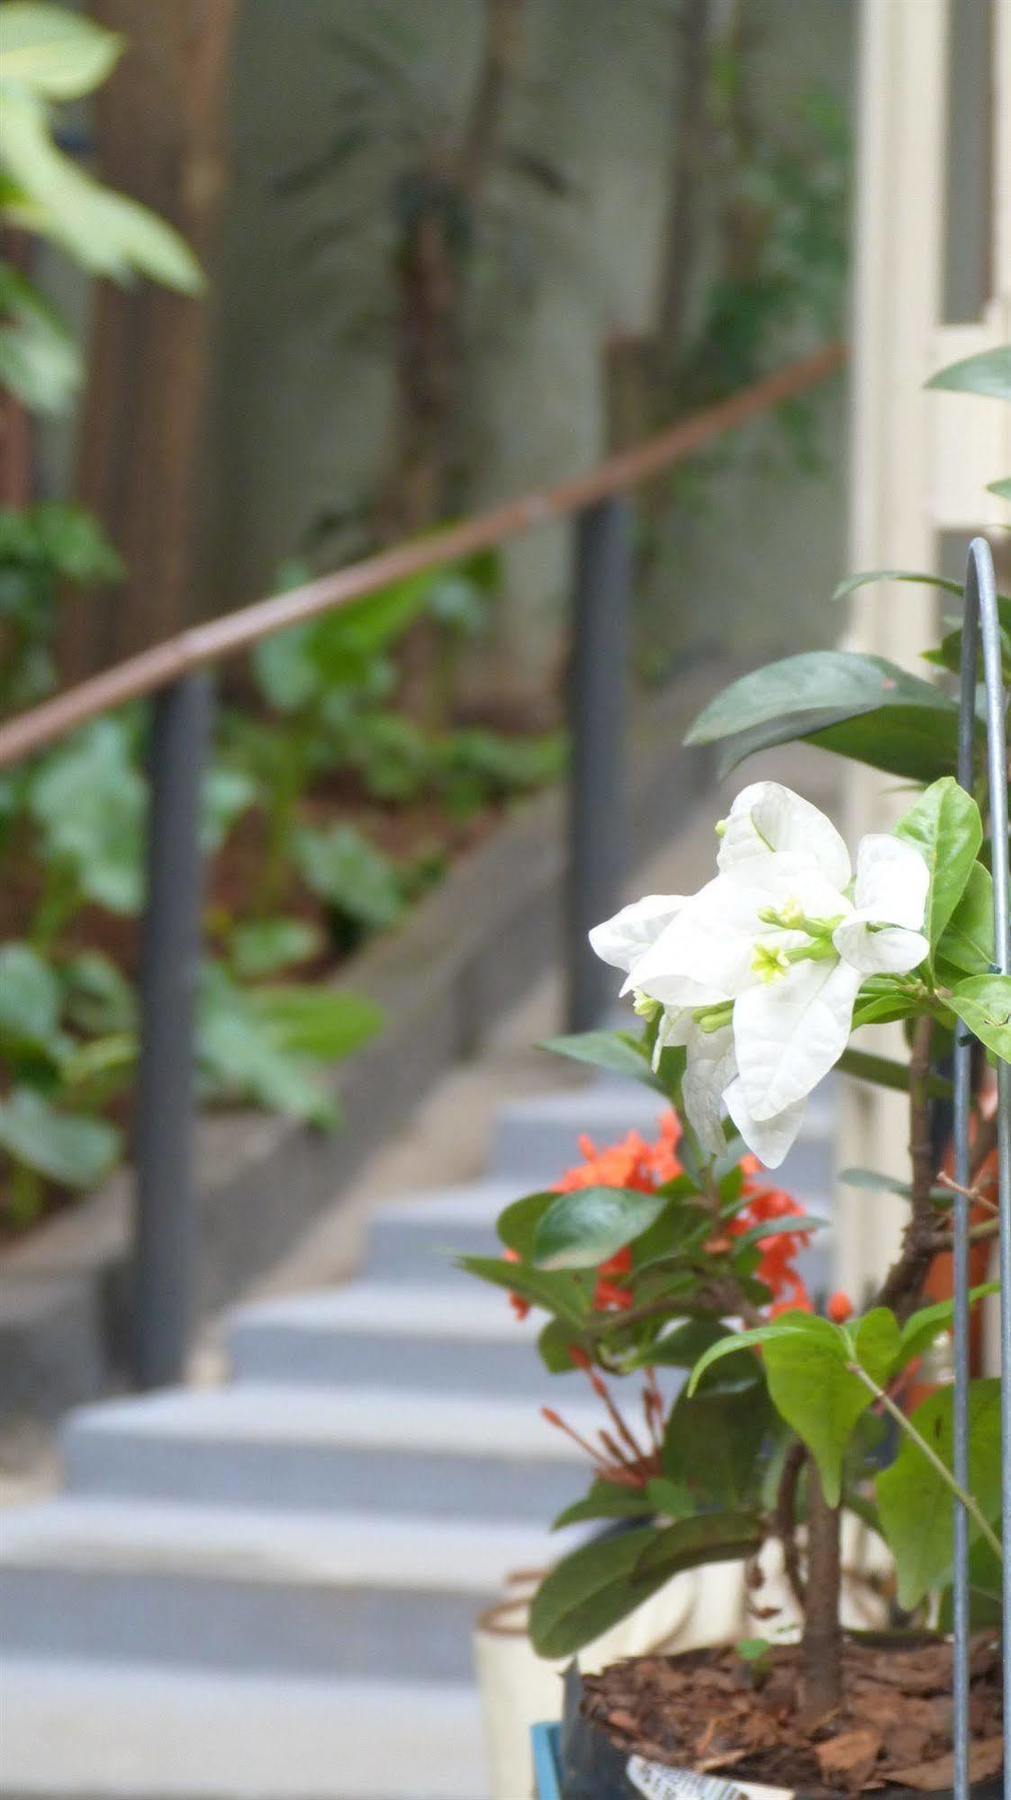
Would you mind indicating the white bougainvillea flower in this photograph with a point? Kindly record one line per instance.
(759, 971)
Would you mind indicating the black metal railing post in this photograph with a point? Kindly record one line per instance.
(165, 1221)
(598, 711)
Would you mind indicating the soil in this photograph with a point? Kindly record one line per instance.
(708, 1711)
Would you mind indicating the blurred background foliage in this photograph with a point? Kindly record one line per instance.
(452, 252)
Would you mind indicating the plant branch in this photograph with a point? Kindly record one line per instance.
(822, 1642)
(904, 1281)
(936, 1462)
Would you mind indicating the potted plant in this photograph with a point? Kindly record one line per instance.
(748, 994)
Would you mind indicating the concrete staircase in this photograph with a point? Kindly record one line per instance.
(268, 1589)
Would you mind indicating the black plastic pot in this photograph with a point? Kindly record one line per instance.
(592, 1768)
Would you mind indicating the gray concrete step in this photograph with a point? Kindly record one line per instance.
(416, 1239)
(248, 1592)
(357, 1449)
(112, 1731)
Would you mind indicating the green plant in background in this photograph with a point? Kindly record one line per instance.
(42, 548)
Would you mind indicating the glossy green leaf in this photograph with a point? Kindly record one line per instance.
(945, 827)
(857, 706)
(703, 1538)
(988, 373)
(605, 1500)
(54, 52)
(915, 1505)
(968, 940)
(518, 1222)
(67, 1148)
(586, 1227)
(715, 1436)
(983, 1002)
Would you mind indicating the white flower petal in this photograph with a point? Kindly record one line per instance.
(705, 954)
(631, 931)
(892, 881)
(675, 1029)
(770, 1139)
(789, 1033)
(711, 1067)
(767, 817)
(876, 949)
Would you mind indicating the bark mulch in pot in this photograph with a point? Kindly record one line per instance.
(707, 1712)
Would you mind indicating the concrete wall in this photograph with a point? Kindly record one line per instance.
(303, 395)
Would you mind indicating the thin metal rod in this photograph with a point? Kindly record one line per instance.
(237, 631)
(981, 622)
(598, 708)
(165, 1203)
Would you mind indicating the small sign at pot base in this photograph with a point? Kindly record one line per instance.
(658, 1782)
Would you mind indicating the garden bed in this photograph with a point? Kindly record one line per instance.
(462, 957)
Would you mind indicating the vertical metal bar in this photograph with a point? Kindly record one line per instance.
(165, 1206)
(598, 707)
(981, 620)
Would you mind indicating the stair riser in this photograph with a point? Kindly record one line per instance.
(318, 1478)
(338, 1359)
(240, 1628)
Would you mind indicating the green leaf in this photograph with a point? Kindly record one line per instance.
(814, 1391)
(945, 827)
(302, 1021)
(265, 946)
(105, 232)
(606, 1501)
(98, 996)
(342, 867)
(29, 995)
(90, 801)
(54, 52)
(878, 1341)
(518, 1222)
(682, 1347)
(581, 1229)
(616, 1051)
(241, 1057)
(926, 1325)
(983, 1002)
(916, 1505)
(226, 794)
(39, 362)
(988, 373)
(789, 1325)
(886, 1073)
(968, 940)
(870, 576)
(1001, 488)
(68, 1148)
(716, 1434)
(857, 706)
(557, 1292)
(604, 1581)
(874, 1182)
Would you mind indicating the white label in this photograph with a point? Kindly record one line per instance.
(657, 1782)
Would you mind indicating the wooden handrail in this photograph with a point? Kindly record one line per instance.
(204, 644)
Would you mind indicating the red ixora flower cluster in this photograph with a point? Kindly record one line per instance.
(634, 1163)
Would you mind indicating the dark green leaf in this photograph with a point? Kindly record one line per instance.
(556, 1291)
(518, 1222)
(591, 1590)
(99, 998)
(345, 869)
(928, 1324)
(586, 1227)
(705, 1538)
(715, 1436)
(884, 1072)
(606, 1501)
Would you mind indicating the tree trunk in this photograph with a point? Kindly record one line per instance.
(822, 1632)
(161, 133)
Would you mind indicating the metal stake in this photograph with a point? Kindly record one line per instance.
(980, 620)
(598, 807)
(165, 1233)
